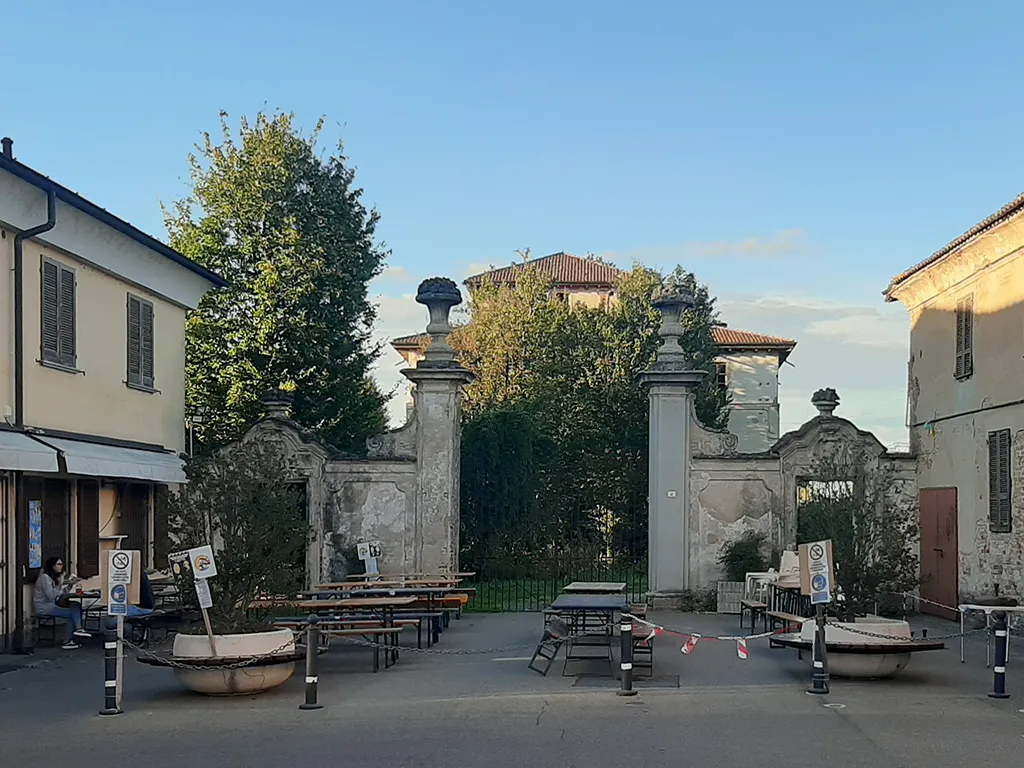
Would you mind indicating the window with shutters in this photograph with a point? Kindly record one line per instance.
(58, 338)
(1000, 504)
(140, 343)
(964, 364)
(722, 375)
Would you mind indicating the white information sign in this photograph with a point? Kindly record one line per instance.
(203, 564)
(203, 593)
(820, 571)
(119, 577)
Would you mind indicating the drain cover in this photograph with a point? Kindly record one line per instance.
(834, 706)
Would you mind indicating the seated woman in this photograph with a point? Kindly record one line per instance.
(50, 599)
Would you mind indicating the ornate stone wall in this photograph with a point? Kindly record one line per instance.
(731, 493)
(404, 492)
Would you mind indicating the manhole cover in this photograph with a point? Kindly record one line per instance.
(834, 706)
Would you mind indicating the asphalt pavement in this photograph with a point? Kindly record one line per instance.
(472, 702)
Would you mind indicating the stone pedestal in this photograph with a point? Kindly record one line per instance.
(438, 381)
(671, 403)
(670, 384)
(438, 410)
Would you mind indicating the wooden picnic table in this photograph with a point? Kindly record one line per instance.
(390, 583)
(595, 587)
(406, 576)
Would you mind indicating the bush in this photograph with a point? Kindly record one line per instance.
(861, 506)
(699, 601)
(747, 554)
(242, 502)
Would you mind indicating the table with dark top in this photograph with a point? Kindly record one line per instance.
(591, 619)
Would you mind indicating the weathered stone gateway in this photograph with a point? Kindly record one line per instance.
(404, 492)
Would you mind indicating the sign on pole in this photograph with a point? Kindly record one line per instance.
(203, 593)
(203, 564)
(816, 571)
(119, 578)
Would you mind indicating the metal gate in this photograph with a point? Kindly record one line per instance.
(528, 576)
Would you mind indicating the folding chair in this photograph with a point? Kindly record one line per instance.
(555, 633)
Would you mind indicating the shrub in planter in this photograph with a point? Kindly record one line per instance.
(243, 502)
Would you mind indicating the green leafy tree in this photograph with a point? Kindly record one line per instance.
(286, 226)
(555, 437)
(240, 500)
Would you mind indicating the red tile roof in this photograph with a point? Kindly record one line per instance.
(564, 269)
(1003, 214)
(726, 338)
(732, 338)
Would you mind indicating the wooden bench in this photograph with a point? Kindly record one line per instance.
(786, 619)
(755, 607)
(299, 623)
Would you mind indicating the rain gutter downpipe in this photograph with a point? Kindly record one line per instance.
(20, 504)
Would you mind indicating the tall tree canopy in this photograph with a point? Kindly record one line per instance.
(555, 441)
(286, 226)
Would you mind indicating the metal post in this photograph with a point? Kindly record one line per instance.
(819, 678)
(312, 652)
(999, 666)
(626, 636)
(111, 704)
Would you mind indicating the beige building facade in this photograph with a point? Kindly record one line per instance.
(748, 363)
(966, 408)
(93, 407)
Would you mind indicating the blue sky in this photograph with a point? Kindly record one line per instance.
(795, 156)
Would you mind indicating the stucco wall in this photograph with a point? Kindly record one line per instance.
(753, 381)
(96, 400)
(951, 418)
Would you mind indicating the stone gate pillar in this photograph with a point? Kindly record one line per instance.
(670, 384)
(438, 380)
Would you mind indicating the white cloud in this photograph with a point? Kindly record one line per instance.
(393, 276)
(396, 316)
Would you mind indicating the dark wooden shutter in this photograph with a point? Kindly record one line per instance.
(88, 564)
(134, 341)
(1000, 502)
(134, 508)
(66, 318)
(161, 530)
(56, 519)
(49, 311)
(147, 344)
(964, 365)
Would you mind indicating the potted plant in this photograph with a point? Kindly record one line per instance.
(747, 554)
(243, 503)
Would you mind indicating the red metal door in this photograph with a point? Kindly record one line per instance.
(939, 551)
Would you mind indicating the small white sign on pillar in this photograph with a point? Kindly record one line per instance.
(369, 552)
(119, 578)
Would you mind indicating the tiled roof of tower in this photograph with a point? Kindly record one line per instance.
(726, 338)
(562, 268)
(730, 337)
(1003, 214)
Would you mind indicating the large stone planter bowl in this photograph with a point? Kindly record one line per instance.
(866, 656)
(235, 682)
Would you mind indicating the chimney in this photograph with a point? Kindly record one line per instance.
(8, 147)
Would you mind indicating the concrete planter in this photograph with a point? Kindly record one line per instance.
(235, 682)
(861, 665)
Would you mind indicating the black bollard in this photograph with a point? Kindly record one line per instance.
(924, 634)
(312, 652)
(626, 636)
(111, 706)
(1002, 646)
(819, 678)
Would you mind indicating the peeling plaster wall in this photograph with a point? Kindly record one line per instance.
(753, 382)
(729, 496)
(732, 493)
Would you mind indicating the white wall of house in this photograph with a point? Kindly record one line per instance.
(752, 378)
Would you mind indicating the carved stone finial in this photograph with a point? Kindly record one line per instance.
(672, 299)
(825, 400)
(439, 295)
(277, 403)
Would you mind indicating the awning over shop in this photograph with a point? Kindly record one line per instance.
(20, 452)
(98, 460)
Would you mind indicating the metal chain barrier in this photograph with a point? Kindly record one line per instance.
(248, 661)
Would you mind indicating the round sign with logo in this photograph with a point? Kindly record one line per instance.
(203, 563)
(121, 560)
(118, 593)
(817, 552)
(818, 583)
